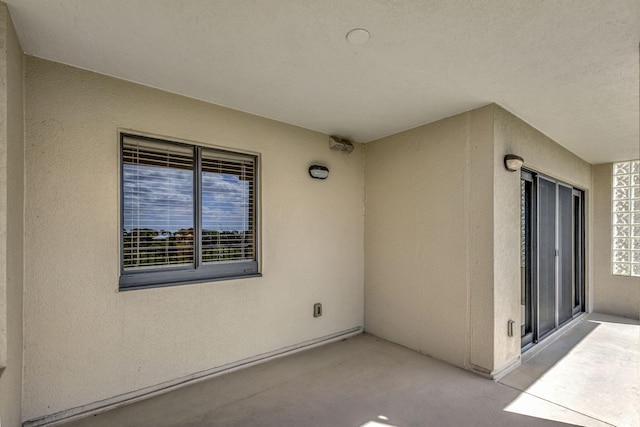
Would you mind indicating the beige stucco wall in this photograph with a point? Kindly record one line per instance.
(442, 234)
(84, 340)
(479, 231)
(541, 154)
(11, 220)
(616, 295)
(418, 262)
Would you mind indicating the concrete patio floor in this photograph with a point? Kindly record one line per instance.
(589, 376)
(593, 369)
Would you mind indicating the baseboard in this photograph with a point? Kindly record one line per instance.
(495, 375)
(95, 408)
(528, 354)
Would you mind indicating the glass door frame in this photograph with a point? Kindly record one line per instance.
(530, 256)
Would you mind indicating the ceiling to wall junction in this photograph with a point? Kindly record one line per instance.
(568, 68)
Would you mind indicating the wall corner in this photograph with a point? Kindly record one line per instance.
(12, 160)
(479, 246)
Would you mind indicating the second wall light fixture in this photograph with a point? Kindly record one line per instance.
(513, 163)
(318, 171)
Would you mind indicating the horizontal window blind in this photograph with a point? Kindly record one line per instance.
(158, 204)
(188, 213)
(228, 194)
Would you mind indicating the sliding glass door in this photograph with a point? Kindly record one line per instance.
(552, 232)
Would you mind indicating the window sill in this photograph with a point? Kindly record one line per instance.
(186, 282)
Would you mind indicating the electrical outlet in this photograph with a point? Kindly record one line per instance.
(317, 310)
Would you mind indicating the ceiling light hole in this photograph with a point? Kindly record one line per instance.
(358, 36)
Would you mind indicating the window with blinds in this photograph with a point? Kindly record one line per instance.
(188, 213)
(228, 232)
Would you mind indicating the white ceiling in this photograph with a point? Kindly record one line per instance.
(569, 68)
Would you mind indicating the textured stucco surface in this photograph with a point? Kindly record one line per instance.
(570, 67)
(617, 295)
(84, 340)
(479, 236)
(12, 219)
(416, 231)
(541, 154)
(442, 234)
(4, 18)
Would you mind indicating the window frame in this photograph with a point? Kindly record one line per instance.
(197, 271)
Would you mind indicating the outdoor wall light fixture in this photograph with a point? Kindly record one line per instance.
(318, 171)
(512, 162)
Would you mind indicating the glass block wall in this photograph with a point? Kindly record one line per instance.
(626, 218)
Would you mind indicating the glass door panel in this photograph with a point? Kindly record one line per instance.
(552, 255)
(546, 256)
(565, 252)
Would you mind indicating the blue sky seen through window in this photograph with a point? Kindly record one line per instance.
(161, 199)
